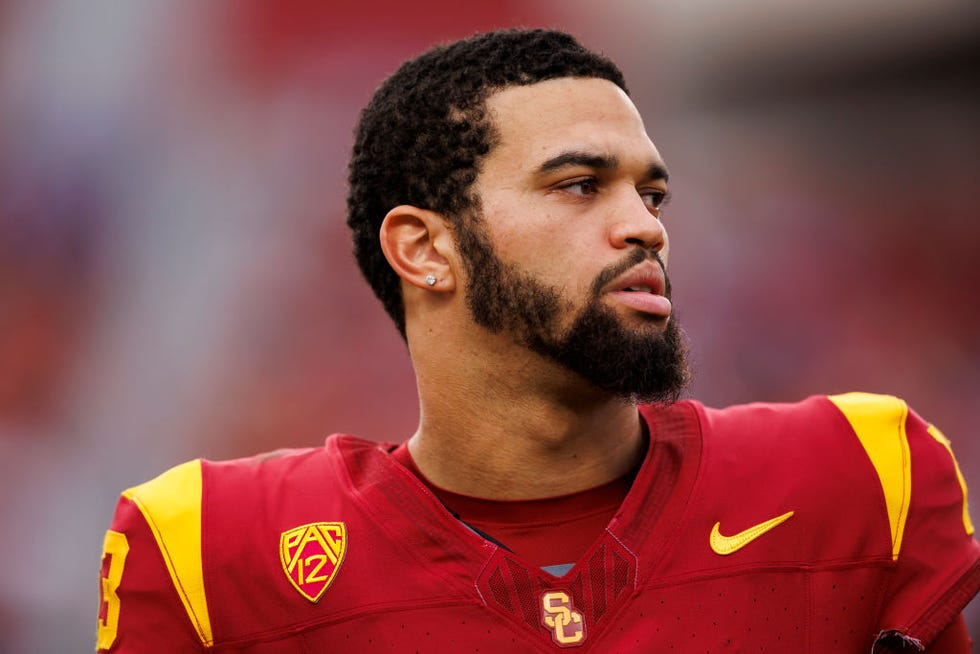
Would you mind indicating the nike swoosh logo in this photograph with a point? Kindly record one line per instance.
(726, 545)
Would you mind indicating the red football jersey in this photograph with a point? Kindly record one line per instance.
(811, 527)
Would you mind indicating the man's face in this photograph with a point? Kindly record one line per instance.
(568, 254)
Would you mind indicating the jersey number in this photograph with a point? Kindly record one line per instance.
(114, 552)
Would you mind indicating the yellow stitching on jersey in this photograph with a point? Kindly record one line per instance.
(938, 435)
(171, 505)
(879, 423)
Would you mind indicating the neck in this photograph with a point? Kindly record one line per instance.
(519, 427)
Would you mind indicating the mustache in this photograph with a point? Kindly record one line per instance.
(637, 256)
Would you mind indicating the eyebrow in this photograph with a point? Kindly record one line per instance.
(655, 171)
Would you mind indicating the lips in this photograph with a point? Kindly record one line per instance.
(642, 288)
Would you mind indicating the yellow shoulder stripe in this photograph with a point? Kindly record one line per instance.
(938, 435)
(171, 505)
(879, 422)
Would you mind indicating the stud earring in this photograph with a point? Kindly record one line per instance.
(430, 280)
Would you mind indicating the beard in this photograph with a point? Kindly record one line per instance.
(634, 365)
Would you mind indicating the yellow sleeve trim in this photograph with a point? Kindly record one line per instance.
(171, 505)
(879, 422)
(938, 435)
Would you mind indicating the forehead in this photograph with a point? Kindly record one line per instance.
(536, 122)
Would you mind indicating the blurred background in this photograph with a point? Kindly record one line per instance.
(175, 276)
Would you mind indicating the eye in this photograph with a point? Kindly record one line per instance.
(654, 199)
(582, 186)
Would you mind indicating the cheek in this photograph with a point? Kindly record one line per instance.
(560, 249)
(525, 233)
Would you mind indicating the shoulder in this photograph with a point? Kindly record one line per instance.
(763, 438)
(181, 489)
(880, 424)
(778, 436)
(171, 534)
(829, 429)
(864, 450)
(936, 559)
(816, 411)
(182, 493)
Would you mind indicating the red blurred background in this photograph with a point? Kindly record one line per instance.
(175, 275)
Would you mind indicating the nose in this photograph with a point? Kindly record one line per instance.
(634, 224)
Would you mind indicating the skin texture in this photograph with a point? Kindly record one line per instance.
(486, 399)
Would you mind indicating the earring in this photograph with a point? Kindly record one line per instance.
(430, 280)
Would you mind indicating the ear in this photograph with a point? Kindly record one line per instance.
(419, 247)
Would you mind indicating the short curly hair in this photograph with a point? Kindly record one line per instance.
(425, 132)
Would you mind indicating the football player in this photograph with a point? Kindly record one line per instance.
(505, 204)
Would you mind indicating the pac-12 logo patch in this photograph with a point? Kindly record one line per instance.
(558, 614)
(311, 556)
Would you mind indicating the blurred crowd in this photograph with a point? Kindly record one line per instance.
(175, 275)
